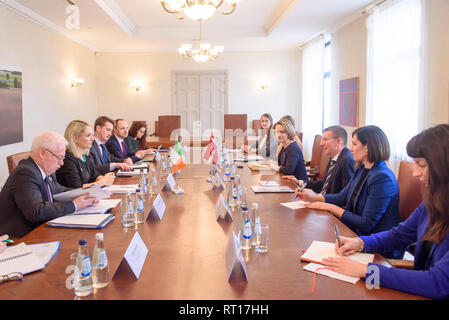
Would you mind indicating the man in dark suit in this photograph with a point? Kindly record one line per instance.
(341, 164)
(116, 143)
(105, 161)
(26, 200)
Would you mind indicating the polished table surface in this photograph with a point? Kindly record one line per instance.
(186, 258)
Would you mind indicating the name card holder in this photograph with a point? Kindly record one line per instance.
(170, 184)
(158, 209)
(217, 182)
(133, 260)
(235, 265)
(222, 211)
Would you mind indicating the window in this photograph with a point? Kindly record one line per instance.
(394, 34)
(327, 121)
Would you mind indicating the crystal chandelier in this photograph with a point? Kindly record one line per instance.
(201, 54)
(199, 10)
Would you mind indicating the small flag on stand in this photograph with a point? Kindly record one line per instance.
(177, 159)
(211, 151)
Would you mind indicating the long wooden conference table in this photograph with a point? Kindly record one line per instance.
(186, 257)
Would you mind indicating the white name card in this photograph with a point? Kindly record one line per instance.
(222, 210)
(134, 258)
(235, 265)
(158, 209)
(171, 182)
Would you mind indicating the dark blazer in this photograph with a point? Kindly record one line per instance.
(75, 172)
(430, 277)
(291, 161)
(114, 147)
(97, 158)
(341, 174)
(24, 200)
(376, 204)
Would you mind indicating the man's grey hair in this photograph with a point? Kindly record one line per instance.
(47, 140)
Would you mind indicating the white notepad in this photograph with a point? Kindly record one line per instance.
(295, 204)
(131, 173)
(313, 267)
(101, 207)
(319, 250)
(45, 251)
(94, 191)
(89, 221)
(121, 188)
(19, 258)
(278, 189)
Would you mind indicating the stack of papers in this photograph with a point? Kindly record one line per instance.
(258, 167)
(102, 206)
(131, 173)
(121, 189)
(27, 258)
(88, 221)
(295, 204)
(94, 191)
(269, 183)
(138, 166)
(278, 189)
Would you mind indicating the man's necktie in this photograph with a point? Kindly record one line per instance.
(105, 153)
(328, 178)
(123, 148)
(47, 187)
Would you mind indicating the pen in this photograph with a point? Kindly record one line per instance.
(337, 234)
(301, 188)
(8, 241)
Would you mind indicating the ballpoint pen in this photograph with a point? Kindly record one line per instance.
(8, 241)
(301, 188)
(337, 234)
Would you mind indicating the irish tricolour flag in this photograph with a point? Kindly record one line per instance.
(176, 156)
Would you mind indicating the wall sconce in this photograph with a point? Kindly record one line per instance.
(136, 86)
(76, 82)
(264, 84)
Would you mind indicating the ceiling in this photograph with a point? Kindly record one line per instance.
(142, 25)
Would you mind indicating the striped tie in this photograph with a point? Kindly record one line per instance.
(329, 174)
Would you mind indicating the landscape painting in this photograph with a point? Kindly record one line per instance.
(11, 120)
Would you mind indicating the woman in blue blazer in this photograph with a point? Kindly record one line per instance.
(428, 226)
(371, 198)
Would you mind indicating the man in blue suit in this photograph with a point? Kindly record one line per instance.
(116, 143)
(341, 164)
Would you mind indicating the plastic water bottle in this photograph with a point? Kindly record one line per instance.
(145, 186)
(257, 231)
(100, 264)
(246, 235)
(233, 198)
(139, 213)
(153, 183)
(227, 175)
(254, 216)
(82, 280)
(128, 212)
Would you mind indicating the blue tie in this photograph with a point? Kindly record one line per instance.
(105, 153)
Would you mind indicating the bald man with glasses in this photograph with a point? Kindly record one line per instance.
(26, 200)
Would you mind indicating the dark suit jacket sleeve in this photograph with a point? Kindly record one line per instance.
(69, 173)
(27, 195)
(291, 160)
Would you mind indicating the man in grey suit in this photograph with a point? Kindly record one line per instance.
(26, 200)
(105, 161)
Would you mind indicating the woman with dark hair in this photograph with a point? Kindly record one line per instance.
(266, 145)
(428, 226)
(137, 137)
(371, 197)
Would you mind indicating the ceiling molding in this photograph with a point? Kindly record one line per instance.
(348, 20)
(113, 10)
(38, 19)
(280, 13)
(194, 33)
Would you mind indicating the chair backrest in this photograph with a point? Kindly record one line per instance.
(315, 161)
(13, 160)
(167, 124)
(410, 190)
(299, 135)
(323, 165)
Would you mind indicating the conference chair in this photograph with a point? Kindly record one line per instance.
(315, 162)
(14, 159)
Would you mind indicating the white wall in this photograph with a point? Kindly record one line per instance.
(115, 72)
(47, 60)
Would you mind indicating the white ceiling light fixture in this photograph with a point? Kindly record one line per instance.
(199, 10)
(203, 53)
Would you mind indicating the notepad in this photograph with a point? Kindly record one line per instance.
(131, 173)
(94, 191)
(138, 166)
(319, 250)
(88, 221)
(101, 207)
(121, 189)
(295, 204)
(20, 258)
(258, 167)
(45, 251)
(313, 267)
(278, 189)
(268, 183)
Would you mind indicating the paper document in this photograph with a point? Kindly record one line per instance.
(331, 274)
(319, 250)
(19, 258)
(258, 167)
(295, 204)
(269, 183)
(90, 221)
(101, 207)
(117, 188)
(45, 251)
(131, 173)
(94, 191)
(279, 189)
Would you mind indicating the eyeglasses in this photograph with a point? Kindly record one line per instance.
(142, 130)
(58, 158)
(327, 139)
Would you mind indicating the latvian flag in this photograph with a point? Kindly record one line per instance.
(177, 159)
(211, 150)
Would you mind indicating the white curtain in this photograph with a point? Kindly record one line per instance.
(312, 94)
(393, 74)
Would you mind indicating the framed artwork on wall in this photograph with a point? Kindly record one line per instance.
(11, 117)
(349, 102)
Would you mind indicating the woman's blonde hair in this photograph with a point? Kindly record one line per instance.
(74, 129)
(288, 128)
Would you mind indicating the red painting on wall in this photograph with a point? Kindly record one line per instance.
(349, 102)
